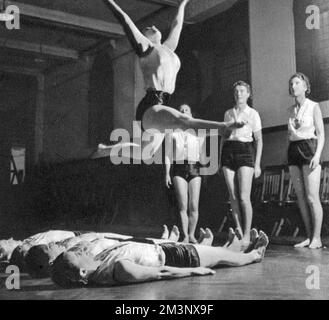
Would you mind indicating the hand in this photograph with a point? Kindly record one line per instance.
(235, 125)
(258, 171)
(314, 162)
(202, 271)
(168, 181)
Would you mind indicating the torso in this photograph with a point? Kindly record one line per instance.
(252, 122)
(160, 69)
(139, 253)
(187, 146)
(301, 122)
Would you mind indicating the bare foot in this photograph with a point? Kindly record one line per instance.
(253, 240)
(238, 233)
(174, 234)
(165, 233)
(202, 234)
(191, 239)
(230, 237)
(235, 245)
(260, 247)
(315, 244)
(303, 244)
(185, 239)
(208, 238)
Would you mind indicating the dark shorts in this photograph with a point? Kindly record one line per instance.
(301, 152)
(180, 255)
(151, 99)
(236, 154)
(186, 170)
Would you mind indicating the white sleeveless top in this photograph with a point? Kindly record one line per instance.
(301, 122)
(252, 124)
(148, 255)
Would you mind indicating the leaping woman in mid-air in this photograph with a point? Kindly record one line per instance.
(160, 66)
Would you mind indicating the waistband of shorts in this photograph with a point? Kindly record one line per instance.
(153, 91)
(234, 142)
(302, 140)
(186, 162)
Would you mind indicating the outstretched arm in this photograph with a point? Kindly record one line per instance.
(138, 41)
(176, 28)
(126, 271)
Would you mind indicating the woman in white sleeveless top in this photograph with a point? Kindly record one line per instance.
(306, 141)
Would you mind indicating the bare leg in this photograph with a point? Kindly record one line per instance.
(234, 199)
(163, 117)
(298, 183)
(230, 238)
(194, 188)
(312, 187)
(215, 256)
(123, 152)
(245, 176)
(181, 190)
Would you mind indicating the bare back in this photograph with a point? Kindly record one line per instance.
(160, 69)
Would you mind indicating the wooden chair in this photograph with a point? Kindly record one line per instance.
(272, 198)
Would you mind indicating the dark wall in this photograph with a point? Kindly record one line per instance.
(312, 47)
(101, 99)
(214, 55)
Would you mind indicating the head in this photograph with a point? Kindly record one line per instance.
(73, 268)
(242, 92)
(7, 247)
(184, 108)
(18, 256)
(153, 34)
(299, 85)
(40, 258)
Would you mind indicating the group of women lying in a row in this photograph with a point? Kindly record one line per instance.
(75, 259)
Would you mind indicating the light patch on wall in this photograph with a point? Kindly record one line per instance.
(17, 165)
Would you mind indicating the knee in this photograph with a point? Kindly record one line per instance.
(193, 206)
(182, 207)
(245, 199)
(313, 200)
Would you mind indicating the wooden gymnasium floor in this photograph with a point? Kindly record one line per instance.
(282, 275)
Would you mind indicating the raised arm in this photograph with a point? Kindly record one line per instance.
(138, 41)
(128, 272)
(176, 27)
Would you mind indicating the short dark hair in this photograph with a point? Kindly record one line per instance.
(38, 261)
(62, 271)
(303, 77)
(244, 84)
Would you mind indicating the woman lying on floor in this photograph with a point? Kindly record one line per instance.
(130, 262)
(39, 258)
(15, 251)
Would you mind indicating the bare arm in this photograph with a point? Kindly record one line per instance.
(176, 27)
(126, 271)
(138, 41)
(259, 150)
(319, 128)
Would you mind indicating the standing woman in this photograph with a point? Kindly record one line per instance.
(160, 65)
(306, 141)
(184, 150)
(238, 161)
